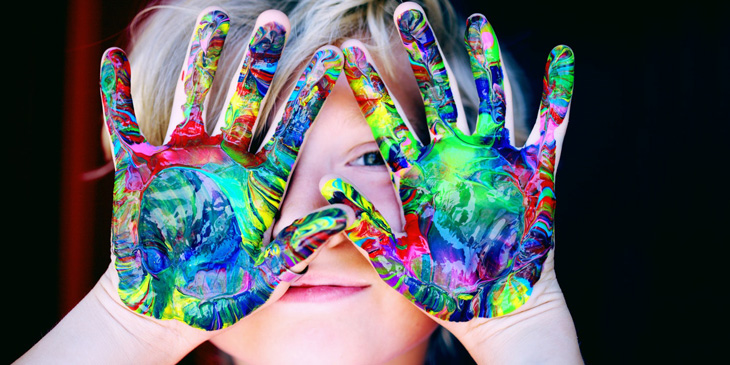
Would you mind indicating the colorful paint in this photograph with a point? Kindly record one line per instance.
(254, 81)
(428, 66)
(197, 75)
(478, 211)
(190, 216)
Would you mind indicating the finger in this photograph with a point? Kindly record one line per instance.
(486, 66)
(116, 99)
(250, 85)
(557, 93)
(431, 71)
(187, 124)
(396, 142)
(310, 92)
(369, 225)
(555, 103)
(297, 242)
(369, 230)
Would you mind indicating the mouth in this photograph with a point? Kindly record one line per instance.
(321, 293)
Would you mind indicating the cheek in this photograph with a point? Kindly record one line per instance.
(394, 314)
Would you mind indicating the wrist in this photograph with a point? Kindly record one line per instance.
(101, 329)
(541, 331)
(170, 339)
(521, 339)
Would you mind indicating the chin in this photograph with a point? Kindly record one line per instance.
(373, 325)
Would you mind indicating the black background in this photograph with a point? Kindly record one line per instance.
(642, 212)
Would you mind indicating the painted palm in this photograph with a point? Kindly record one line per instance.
(478, 212)
(189, 216)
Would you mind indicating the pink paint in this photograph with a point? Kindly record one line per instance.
(487, 40)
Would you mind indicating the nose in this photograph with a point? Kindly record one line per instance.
(302, 195)
(319, 156)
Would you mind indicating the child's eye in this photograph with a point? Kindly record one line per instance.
(369, 159)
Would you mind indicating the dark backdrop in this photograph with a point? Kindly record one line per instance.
(641, 188)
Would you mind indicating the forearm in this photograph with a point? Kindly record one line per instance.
(101, 330)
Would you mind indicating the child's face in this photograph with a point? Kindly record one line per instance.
(340, 310)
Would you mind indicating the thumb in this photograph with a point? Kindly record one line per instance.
(369, 225)
(303, 237)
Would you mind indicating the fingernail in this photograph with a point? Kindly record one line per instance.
(481, 37)
(329, 188)
(412, 23)
(265, 51)
(364, 80)
(559, 79)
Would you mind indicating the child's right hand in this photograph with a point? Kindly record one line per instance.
(190, 216)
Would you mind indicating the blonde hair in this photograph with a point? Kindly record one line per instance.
(160, 35)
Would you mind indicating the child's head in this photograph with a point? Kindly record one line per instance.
(351, 315)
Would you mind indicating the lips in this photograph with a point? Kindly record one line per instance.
(320, 293)
(317, 287)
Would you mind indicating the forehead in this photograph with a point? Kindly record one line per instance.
(398, 77)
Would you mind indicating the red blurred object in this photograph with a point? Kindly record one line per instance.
(80, 131)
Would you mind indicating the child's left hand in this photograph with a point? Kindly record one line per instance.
(478, 212)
